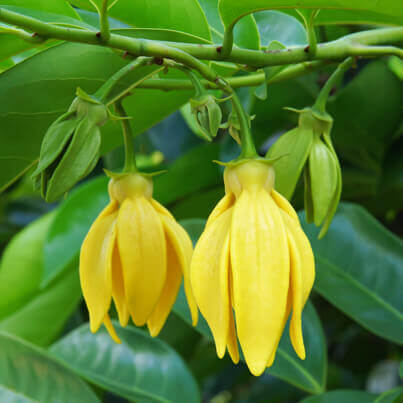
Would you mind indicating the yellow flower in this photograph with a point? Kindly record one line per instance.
(135, 253)
(252, 260)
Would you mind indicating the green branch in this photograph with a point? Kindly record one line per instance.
(334, 79)
(358, 44)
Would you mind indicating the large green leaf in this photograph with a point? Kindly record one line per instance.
(377, 115)
(277, 26)
(141, 369)
(359, 268)
(36, 91)
(43, 317)
(391, 396)
(51, 6)
(180, 15)
(21, 266)
(346, 396)
(26, 311)
(29, 375)
(310, 374)
(332, 11)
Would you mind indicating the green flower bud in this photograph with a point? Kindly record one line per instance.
(234, 126)
(70, 148)
(207, 114)
(308, 148)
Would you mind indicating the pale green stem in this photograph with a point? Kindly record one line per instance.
(130, 157)
(334, 79)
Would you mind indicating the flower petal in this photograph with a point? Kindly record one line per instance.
(260, 268)
(209, 278)
(142, 252)
(224, 204)
(111, 330)
(295, 291)
(284, 204)
(306, 256)
(184, 249)
(96, 265)
(118, 288)
(232, 342)
(169, 293)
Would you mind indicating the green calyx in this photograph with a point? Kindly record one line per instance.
(207, 114)
(70, 148)
(241, 160)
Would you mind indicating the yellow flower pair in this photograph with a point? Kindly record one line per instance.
(253, 261)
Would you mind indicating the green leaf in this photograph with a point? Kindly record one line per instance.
(391, 396)
(377, 114)
(51, 6)
(359, 269)
(246, 34)
(337, 396)
(21, 266)
(332, 11)
(277, 26)
(43, 317)
(310, 374)
(28, 374)
(24, 308)
(180, 15)
(51, 77)
(141, 369)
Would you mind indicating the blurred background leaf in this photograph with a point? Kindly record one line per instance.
(28, 374)
(141, 369)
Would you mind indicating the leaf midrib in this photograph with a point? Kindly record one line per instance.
(361, 287)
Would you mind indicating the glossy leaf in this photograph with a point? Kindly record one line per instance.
(54, 75)
(359, 266)
(28, 374)
(337, 396)
(51, 6)
(377, 115)
(277, 26)
(141, 369)
(43, 317)
(180, 15)
(333, 11)
(21, 266)
(391, 396)
(308, 374)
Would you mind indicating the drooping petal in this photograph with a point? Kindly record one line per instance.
(183, 247)
(284, 204)
(306, 257)
(296, 292)
(111, 330)
(161, 209)
(232, 342)
(142, 251)
(96, 265)
(118, 288)
(209, 278)
(223, 205)
(260, 267)
(169, 293)
(287, 314)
